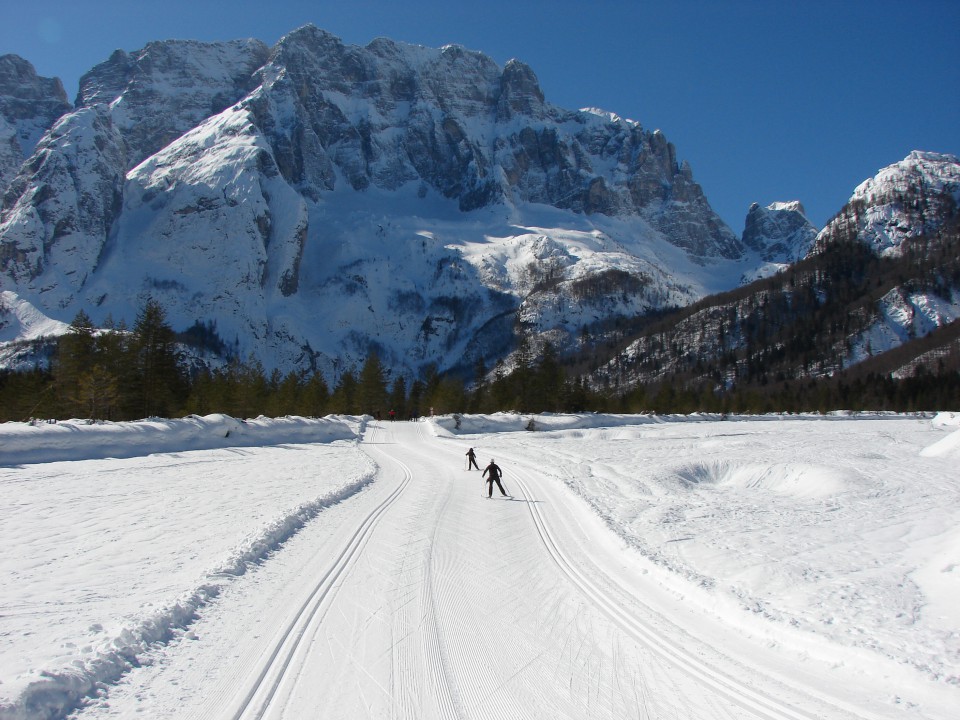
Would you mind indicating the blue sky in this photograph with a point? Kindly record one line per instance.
(767, 100)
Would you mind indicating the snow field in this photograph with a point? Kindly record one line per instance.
(794, 530)
(108, 557)
(774, 567)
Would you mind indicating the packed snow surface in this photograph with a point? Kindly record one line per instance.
(698, 567)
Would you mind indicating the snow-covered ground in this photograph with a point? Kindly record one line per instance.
(766, 567)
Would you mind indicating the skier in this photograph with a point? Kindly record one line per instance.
(473, 459)
(495, 474)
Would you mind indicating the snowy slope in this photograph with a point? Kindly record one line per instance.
(905, 202)
(763, 567)
(19, 320)
(900, 203)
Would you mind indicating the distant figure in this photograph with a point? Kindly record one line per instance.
(393, 415)
(473, 459)
(495, 474)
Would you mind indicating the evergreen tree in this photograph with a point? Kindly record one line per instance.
(549, 381)
(28, 394)
(416, 403)
(315, 398)
(501, 390)
(521, 378)
(372, 386)
(287, 394)
(448, 396)
(479, 395)
(398, 397)
(113, 354)
(251, 389)
(200, 400)
(160, 382)
(98, 393)
(76, 354)
(344, 400)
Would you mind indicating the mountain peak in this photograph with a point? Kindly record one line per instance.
(29, 106)
(779, 233)
(19, 80)
(318, 199)
(903, 201)
(790, 206)
(520, 92)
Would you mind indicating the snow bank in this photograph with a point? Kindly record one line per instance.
(949, 446)
(449, 425)
(505, 422)
(23, 443)
(946, 419)
(188, 534)
(63, 690)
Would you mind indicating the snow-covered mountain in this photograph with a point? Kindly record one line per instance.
(883, 273)
(315, 201)
(780, 233)
(906, 204)
(902, 202)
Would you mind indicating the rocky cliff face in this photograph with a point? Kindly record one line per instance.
(780, 232)
(317, 200)
(29, 105)
(155, 95)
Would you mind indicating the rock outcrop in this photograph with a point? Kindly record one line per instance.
(29, 105)
(780, 232)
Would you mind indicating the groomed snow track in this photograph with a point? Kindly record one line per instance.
(419, 597)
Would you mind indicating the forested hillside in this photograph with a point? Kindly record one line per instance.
(803, 338)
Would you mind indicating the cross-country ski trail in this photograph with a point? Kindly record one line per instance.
(420, 598)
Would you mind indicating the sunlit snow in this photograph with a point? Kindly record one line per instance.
(753, 567)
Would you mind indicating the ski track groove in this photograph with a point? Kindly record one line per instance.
(449, 701)
(740, 694)
(445, 569)
(416, 565)
(259, 697)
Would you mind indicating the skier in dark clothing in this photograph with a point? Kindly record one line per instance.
(473, 459)
(495, 474)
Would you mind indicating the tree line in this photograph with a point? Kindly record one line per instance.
(120, 373)
(758, 337)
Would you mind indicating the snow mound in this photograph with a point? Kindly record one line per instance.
(798, 481)
(948, 447)
(946, 419)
